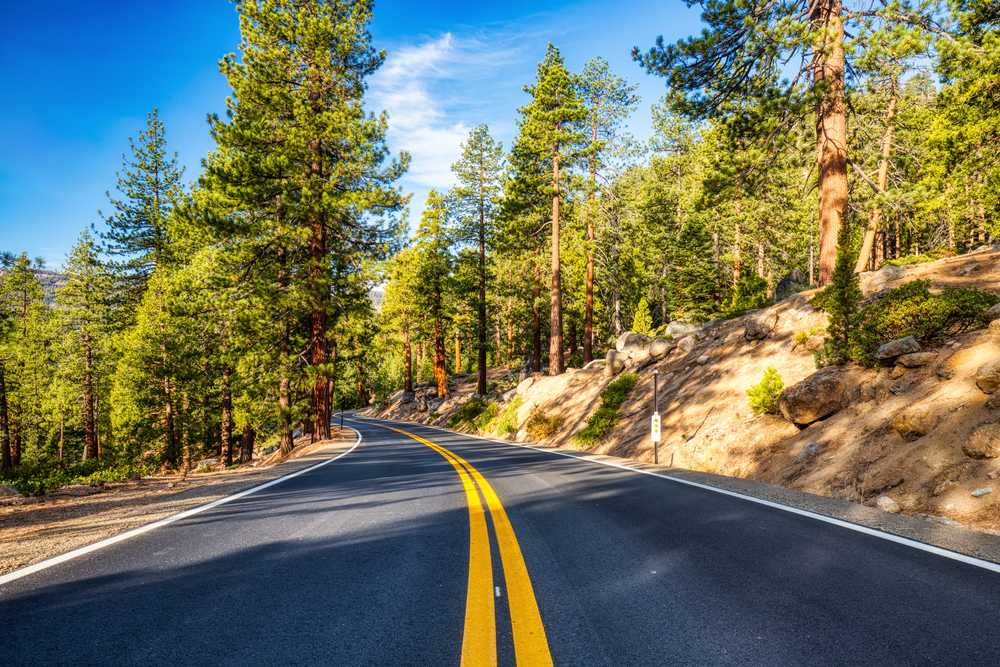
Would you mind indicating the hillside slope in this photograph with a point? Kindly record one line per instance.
(899, 439)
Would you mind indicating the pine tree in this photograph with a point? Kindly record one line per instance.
(551, 134)
(477, 201)
(434, 266)
(138, 230)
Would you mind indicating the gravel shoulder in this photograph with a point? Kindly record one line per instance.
(36, 529)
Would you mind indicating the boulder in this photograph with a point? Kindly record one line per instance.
(916, 359)
(614, 363)
(631, 341)
(796, 301)
(984, 443)
(988, 376)
(993, 331)
(883, 389)
(887, 504)
(687, 344)
(596, 363)
(702, 360)
(639, 361)
(723, 448)
(898, 347)
(792, 282)
(817, 396)
(993, 314)
(680, 329)
(760, 325)
(524, 385)
(914, 423)
(8, 490)
(815, 343)
(985, 491)
(661, 347)
(422, 404)
(807, 451)
(407, 397)
(888, 274)
(584, 375)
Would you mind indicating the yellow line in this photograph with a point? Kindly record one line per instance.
(531, 648)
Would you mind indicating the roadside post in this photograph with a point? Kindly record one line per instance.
(656, 417)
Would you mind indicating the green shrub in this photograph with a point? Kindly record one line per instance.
(575, 360)
(432, 417)
(606, 417)
(750, 293)
(484, 422)
(801, 337)
(764, 396)
(911, 310)
(642, 322)
(840, 300)
(932, 256)
(468, 412)
(31, 477)
(541, 426)
(507, 422)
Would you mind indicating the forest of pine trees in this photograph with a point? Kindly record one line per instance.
(201, 320)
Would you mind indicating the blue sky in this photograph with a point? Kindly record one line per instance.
(78, 79)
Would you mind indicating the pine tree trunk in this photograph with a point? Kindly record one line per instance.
(440, 369)
(246, 443)
(90, 437)
(831, 133)
(458, 353)
(536, 334)
(284, 384)
(185, 433)
(572, 337)
(588, 315)
(481, 305)
(883, 172)
(226, 436)
(362, 392)
(555, 318)
(737, 240)
(5, 454)
(407, 362)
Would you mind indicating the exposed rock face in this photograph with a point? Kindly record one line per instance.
(815, 343)
(631, 341)
(916, 359)
(8, 490)
(422, 404)
(584, 375)
(680, 329)
(661, 347)
(992, 314)
(914, 424)
(993, 333)
(596, 363)
(407, 397)
(988, 376)
(984, 443)
(888, 274)
(522, 387)
(711, 450)
(760, 325)
(819, 395)
(614, 363)
(900, 346)
(790, 283)
(639, 361)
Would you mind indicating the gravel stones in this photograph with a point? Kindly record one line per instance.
(887, 504)
(944, 487)
(760, 325)
(817, 396)
(984, 443)
(702, 360)
(979, 493)
(898, 347)
(988, 376)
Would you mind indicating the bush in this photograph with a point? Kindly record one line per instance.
(541, 426)
(750, 293)
(30, 477)
(840, 300)
(507, 423)
(801, 337)
(484, 422)
(911, 310)
(468, 412)
(642, 323)
(606, 417)
(764, 396)
(932, 256)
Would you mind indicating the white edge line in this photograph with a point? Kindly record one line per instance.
(69, 555)
(906, 541)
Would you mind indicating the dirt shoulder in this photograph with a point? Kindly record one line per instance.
(35, 529)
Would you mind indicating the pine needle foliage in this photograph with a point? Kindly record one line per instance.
(764, 395)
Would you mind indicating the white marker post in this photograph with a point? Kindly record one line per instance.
(656, 417)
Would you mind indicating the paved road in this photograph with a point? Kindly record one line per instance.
(380, 558)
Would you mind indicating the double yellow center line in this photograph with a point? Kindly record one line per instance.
(479, 641)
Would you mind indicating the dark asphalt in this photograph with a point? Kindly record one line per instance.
(365, 562)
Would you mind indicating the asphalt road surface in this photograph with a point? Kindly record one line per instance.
(452, 550)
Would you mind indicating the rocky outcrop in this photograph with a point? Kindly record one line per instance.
(631, 342)
(614, 362)
(988, 376)
(661, 347)
(760, 325)
(407, 397)
(898, 347)
(794, 281)
(680, 329)
(916, 359)
(584, 375)
(984, 443)
(718, 448)
(819, 395)
(8, 490)
(914, 423)
(992, 314)
(524, 385)
(888, 274)
(687, 344)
